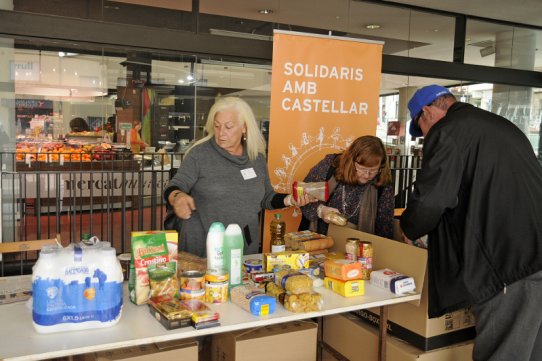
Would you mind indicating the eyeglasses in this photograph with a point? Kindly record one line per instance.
(366, 171)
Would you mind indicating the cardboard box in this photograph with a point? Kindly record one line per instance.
(294, 259)
(293, 341)
(409, 321)
(186, 350)
(358, 341)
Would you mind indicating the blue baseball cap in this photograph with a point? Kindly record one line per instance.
(420, 99)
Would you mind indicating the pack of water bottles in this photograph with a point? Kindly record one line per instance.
(77, 287)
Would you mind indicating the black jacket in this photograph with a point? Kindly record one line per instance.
(479, 198)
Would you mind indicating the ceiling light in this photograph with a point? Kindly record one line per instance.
(372, 26)
(265, 11)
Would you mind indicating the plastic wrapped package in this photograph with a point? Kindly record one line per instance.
(253, 301)
(293, 281)
(274, 290)
(303, 302)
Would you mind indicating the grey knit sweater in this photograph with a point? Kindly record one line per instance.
(213, 177)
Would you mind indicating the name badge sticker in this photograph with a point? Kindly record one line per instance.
(248, 173)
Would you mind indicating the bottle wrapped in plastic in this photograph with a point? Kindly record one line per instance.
(318, 190)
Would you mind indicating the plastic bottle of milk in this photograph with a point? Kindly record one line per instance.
(233, 253)
(76, 288)
(215, 246)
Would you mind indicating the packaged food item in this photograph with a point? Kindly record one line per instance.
(259, 277)
(318, 190)
(148, 248)
(365, 257)
(202, 315)
(171, 314)
(192, 281)
(345, 288)
(293, 281)
(393, 281)
(254, 301)
(277, 229)
(192, 294)
(253, 265)
(303, 302)
(352, 249)
(307, 241)
(163, 280)
(337, 218)
(272, 289)
(216, 286)
(293, 259)
(343, 269)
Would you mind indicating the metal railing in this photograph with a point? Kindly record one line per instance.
(108, 197)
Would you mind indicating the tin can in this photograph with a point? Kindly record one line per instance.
(193, 295)
(352, 249)
(253, 265)
(216, 286)
(192, 281)
(365, 257)
(124, 259)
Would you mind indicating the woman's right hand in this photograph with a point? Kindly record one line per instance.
(183, 204)
(325, 212)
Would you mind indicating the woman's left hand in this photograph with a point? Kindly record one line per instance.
(301, 201)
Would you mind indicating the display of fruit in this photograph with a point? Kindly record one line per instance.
(52, 152)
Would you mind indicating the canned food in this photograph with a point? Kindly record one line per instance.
(253, 265)
(193, 295)
(192, 281)
(366, 253)
(216, 292)
(124, 259)
(352, 249)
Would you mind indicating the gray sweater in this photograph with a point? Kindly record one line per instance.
(213, 177)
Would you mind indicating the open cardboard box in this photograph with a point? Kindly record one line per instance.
(358, 341)
(292, 341)
(184, 349)
(409, 321)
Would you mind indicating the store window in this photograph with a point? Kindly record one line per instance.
(505, 46)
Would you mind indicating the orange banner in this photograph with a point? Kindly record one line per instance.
(324, 94)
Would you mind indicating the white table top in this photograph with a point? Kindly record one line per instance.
(19, 340)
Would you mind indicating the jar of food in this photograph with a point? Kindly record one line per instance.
(352, 249)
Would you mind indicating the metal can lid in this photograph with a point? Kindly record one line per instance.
(253, 262)
(216, 275)
(192, 274)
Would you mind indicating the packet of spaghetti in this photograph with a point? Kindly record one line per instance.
(318, 190)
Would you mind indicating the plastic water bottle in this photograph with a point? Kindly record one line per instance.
(278, 229)
(233, 253)
(215, 246)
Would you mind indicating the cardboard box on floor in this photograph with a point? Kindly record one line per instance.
(292, 341)
(186, 350)
(357, 341)
(409, 321)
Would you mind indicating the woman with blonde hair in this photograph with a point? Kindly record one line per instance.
(360, 186)
(224, 178)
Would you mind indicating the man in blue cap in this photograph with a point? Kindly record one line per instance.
(478, 197)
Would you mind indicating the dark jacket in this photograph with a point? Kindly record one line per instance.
(479, 197)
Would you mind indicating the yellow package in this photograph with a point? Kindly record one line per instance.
(293, 259)
(345, 288)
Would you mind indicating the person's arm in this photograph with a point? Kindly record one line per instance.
(177, 192)
(436, 188)
(317, 173)
(384, 213)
